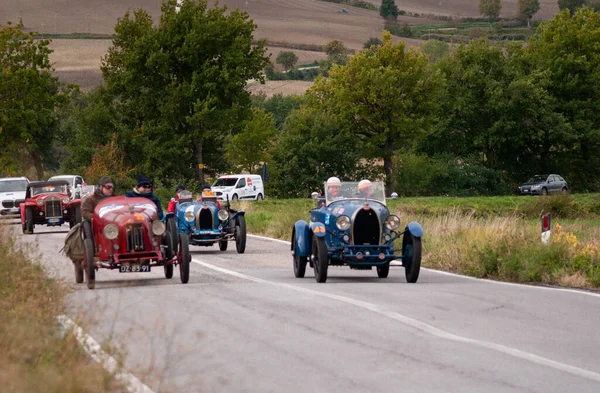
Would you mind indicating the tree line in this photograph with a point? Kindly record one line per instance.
(474, 120)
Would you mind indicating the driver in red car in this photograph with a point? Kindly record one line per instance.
(105, 190)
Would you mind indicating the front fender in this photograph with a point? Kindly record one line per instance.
(235, 216)
(318, 229)
(301, 239)
(415, 229)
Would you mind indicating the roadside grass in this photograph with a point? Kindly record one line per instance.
(35, 355)
(486, 237)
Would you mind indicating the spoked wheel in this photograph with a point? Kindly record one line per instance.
(383, 271)
(172, 229)
(90, 269)
(411, 253)
(184, 258)
(223, 245)
(28, 228)
(240, 234)
(78, 266)
(319, 258)
(299, 262)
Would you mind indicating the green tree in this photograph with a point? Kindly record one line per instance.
(570, 5)
(250, 147)
(435, 49)
(336, 51)
(287, 59)
(388, 9)
(490, 8)
(372, 42)
(526, 9)
(386, 97)
(181, 83)
(278, 105)
(30, 97)
(311, 148)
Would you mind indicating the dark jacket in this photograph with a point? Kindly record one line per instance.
(90, 203)
(149, 195)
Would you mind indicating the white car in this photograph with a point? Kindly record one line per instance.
(12, 194)
(75, 181)
(234, 187)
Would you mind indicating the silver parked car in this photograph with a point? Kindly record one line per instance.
(544, 185)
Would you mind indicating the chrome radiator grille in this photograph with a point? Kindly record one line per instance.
(53, 208)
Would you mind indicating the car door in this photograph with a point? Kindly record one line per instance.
(240, 189)
(554, 184)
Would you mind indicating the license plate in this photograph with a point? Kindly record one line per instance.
(53, 220)
(134, 268)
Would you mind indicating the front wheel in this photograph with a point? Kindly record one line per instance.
(564, 190)
(319, 258)
(167, 241)
(299, 262)
(29, 220)
(90, 269)
(240, 234)
(184, 258)
(411, 256)
(234, 197)
(544, 191)
(172, 229)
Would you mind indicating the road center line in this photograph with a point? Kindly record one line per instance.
(421, 326)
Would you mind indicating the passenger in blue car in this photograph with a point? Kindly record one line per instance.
(365, 189)
(143, 189)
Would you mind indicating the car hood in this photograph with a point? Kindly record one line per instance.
(122, 209)
(12, 195)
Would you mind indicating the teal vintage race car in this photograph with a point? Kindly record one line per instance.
(357, 231)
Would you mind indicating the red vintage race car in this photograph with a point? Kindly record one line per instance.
(126, 234)
(49, 203)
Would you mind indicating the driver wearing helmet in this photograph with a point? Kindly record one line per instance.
(334, 186)
(365, 189)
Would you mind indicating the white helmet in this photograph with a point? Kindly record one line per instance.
(334, 181)
(364, 184)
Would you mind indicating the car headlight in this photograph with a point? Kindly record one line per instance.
(343, 222)
(111, 231)
(223, 214)
(189, 216)
(392, 222)
(158, 228)
(40, 202)
(65, 200)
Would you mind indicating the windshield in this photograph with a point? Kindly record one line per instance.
(13, 185)
(537, 179)
(62, 188)
(225, 182)
(349, 190)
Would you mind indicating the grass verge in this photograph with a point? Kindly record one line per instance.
(486, 237)
(35, 356)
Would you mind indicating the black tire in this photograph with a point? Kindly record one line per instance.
(29, 220)
(544, 191)
(90, 269)
(167, 241)
(240, 234)
(234, 197)
(223, 245)
(172, 228)
(184, 258)
(299, 262)
(260, 197)
(565, 190)
(78, 266)
(168, 271)
(383, 271)
(411, 251)
(320, 258)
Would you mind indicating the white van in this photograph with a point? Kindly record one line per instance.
(75, 181)
(239, 187)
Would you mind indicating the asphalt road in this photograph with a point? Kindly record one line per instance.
(245, 324)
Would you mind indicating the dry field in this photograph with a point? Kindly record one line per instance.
(286, 88)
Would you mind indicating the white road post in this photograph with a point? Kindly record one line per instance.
(546, 230)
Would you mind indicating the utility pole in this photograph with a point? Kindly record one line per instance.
(55, 22)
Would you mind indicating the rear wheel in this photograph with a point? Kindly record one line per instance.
(184, 258)
(78, 272)
(168, 270)
(411, 253)
(90, 269)
(299, 262)
(223, 245)
(260, 197)
(383, 271)
(75, 217)
(544, 191)
(319, 258)
(564, 190)
(240, 234)
(29, 220)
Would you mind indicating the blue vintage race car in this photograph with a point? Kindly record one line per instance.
(207, 222)
(355, 230)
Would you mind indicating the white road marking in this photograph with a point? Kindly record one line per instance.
(421, 326)
(576, 291)
(91, 346)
